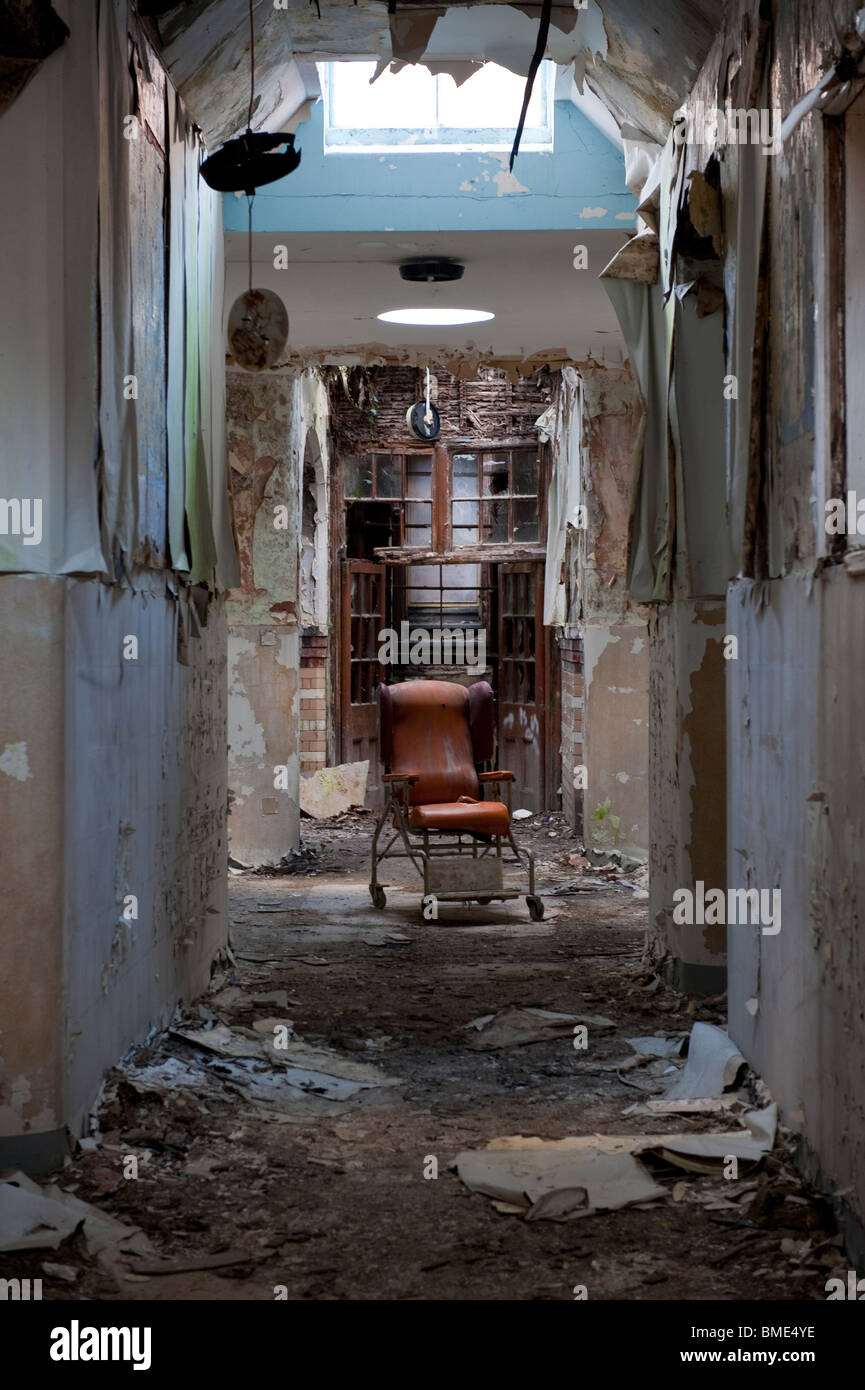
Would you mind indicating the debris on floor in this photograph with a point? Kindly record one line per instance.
(515, 1027)
(557, 1184)
(656, 1047)
(519, 1171)
(298, 861)
(273, 1066)
(33, 1217)
(246, 1181)
(332, 790)
(714, 1065)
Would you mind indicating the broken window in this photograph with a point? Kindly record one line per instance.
(495, 497)
(491, 499)
(414, 111)
(374, 491)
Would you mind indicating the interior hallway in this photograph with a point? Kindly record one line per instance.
(222, 482)
(328, 1199)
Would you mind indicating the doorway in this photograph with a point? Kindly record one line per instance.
(445, 540)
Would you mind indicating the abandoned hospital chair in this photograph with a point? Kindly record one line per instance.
(433, 736)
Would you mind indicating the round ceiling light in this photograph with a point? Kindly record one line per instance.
(435, 317)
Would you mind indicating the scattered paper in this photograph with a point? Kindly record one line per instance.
(656, 1047)
(558, 1184)
(519, 1170)
(713, 1066)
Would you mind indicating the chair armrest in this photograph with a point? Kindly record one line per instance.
(394, 777)
(495, 777)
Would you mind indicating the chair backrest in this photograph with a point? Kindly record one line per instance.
(437, 730)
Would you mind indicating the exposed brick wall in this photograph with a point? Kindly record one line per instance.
(313, 703)
(491, 407)
(571, 654)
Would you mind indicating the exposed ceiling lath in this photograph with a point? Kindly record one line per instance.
(638, 56)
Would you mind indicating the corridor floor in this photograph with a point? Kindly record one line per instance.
(328, 1200)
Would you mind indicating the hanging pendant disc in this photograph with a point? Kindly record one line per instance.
(257, 329)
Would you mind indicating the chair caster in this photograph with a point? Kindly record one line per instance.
(377, 894)
(536, 908)
(484, 902)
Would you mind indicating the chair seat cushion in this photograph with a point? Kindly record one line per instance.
(484, 817)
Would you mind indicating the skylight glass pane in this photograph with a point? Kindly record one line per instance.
(405, 101)
(492, 97)
(413, 109)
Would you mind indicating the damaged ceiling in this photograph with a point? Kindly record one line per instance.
(544, 312)
(639, 56)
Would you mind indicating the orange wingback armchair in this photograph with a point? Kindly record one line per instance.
(433, 736)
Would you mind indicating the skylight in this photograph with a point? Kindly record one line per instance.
(412, 110)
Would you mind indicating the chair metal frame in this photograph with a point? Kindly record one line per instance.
(420, 849)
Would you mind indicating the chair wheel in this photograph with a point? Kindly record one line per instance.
(536, 908)
(377, 895)
(484, 902)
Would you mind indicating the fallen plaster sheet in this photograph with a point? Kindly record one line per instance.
(519, 1170)
(269, 1087)
(713, 1066)
(656, 1047)
(173, 1075)
(220, 1039)
(310, 1069)
(41, 1218)
(515, 1027)
(709, 1105)
(332, 790)
(272, 1091)
(558, 1185)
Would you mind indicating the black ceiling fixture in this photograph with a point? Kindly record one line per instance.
(258, 319)
(247, 163)
(244, 164)
(434, 270)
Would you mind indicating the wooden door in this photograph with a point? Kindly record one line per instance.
(363, 617)
(522, 673)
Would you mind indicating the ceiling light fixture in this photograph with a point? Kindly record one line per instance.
(244, 164)
(433, 270)
(434, 317)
